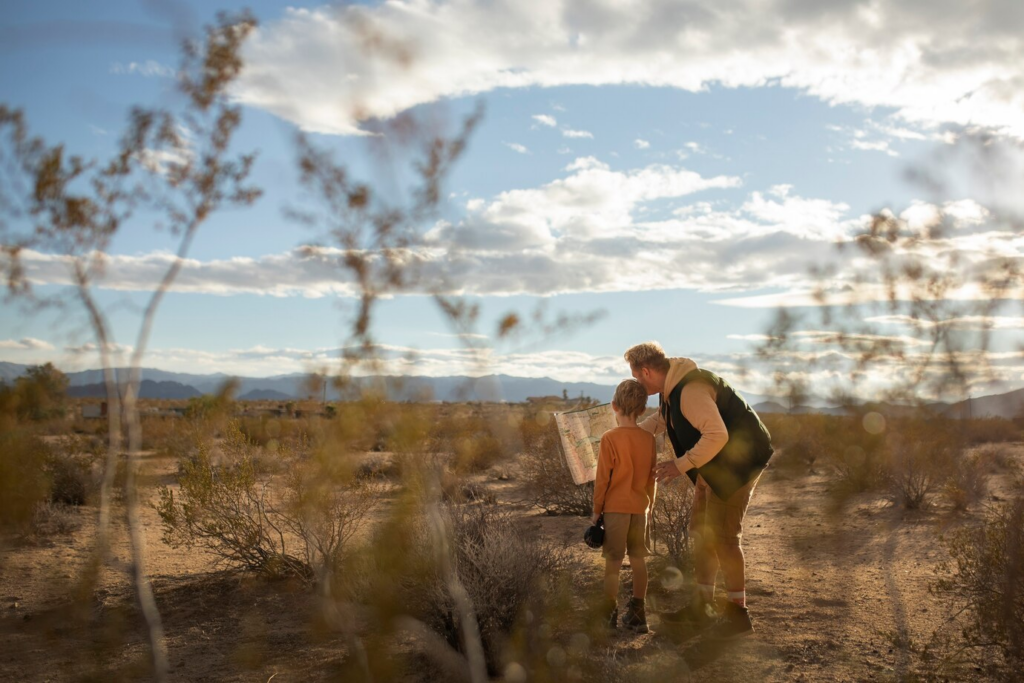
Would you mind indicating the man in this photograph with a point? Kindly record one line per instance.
(722, 446)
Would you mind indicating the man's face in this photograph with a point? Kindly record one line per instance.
(647, 380)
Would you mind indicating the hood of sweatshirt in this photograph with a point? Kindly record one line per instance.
(677, 369)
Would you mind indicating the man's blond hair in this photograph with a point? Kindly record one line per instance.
(647, 355)
(630, 398)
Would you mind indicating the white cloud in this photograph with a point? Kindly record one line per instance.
(641, 144)
(874, 146)
(261, 360)
(149, 69)
(328, 68)
(545, 120)
(516, 147)
(570, 133)
(25, 344)
(972, 323)
(92, 348)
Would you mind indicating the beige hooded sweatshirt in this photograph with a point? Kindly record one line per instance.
(700, 410)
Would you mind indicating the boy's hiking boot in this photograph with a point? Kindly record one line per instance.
(635, 618)
(734, 622)
(610, 617)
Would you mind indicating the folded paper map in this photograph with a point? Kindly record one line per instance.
(580, 433)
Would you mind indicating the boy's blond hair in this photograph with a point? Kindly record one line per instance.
(630, 398)
(647, 355)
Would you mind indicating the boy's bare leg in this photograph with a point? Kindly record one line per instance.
(611, 578)
(639, 566)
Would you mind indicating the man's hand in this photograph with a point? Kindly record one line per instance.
(596, 518)
(666, 471)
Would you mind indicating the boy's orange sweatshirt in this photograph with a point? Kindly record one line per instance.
(625, 471)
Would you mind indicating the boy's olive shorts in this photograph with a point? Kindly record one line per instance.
(625, 534)
(718, 520)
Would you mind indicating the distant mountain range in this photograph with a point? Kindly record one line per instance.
(160, 384)
(175, 385)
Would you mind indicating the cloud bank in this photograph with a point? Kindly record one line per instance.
(933, 62)
(597, 229)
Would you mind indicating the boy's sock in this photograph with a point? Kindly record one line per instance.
(707, 592)
(738, 597)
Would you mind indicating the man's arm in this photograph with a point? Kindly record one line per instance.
(698, 405)
(655, 424)
(652, 484)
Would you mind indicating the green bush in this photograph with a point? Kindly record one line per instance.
(39, 394)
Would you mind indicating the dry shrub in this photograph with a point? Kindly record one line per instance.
(72, 465)
(476, 451)
(224, 505)
(455, 489)
(325, 508)
(537, 430)
(273, 432)
(227, 502)
(985, 575)
(24, 483)
(158, 430)
(855, 458)
(473, 439)
(673, 509)
(967, 482)
(378, 467)
(800, 440)
(921, 457)
(501, 568)
(548, 485)
(54, 519)
(997, 458)
(982, 430)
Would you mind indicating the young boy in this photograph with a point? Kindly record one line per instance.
(624, 492)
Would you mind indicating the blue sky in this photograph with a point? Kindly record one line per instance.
(648, 160)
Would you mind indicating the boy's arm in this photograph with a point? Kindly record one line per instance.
(604, 475)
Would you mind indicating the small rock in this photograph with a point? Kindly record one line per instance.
(14, 605)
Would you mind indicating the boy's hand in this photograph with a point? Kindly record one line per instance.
(596, 519)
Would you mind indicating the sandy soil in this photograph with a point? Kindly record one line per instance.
(832, 594)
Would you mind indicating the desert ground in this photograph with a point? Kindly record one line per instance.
(838, 592)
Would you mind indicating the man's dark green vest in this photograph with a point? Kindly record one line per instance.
(749, 447)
